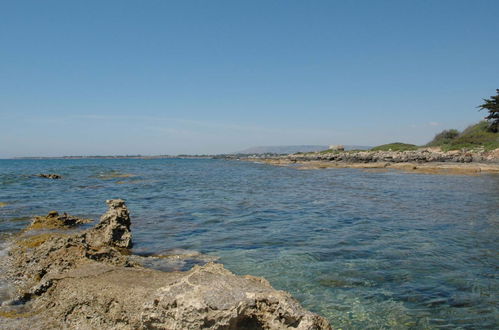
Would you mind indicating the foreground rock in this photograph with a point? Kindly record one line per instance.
(87, 280)
(49, 176)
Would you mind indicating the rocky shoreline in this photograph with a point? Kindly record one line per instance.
(424, 160)
(87, 279)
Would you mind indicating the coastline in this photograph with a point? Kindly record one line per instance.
(425, 161)
(424, 168)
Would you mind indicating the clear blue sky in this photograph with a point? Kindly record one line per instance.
(169, 77)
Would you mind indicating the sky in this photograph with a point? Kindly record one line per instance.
(203, 77)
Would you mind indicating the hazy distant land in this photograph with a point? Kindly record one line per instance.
(281, 150)
(294, 149)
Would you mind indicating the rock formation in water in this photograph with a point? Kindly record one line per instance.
(423, 155)
(418, 156)
(87, 280)
(49, 176)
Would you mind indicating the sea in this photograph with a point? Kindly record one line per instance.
(365, 249)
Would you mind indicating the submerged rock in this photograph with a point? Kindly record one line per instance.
(49, 176)
(114, 175)
(88, 280)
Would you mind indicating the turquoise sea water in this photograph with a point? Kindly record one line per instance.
(366, 250)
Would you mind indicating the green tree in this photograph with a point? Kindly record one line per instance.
(492, 106)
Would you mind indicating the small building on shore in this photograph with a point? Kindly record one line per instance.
(337, 147)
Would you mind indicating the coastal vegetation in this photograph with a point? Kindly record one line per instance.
(492, 106)
(444, 138)
(396, 146)
(481, 135)
(474, 137)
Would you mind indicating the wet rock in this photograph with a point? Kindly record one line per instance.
(53, 220)
(49, 176)
(87, 280)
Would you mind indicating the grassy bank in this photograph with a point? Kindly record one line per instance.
(474, 137)
(477, 136)
(396, 146)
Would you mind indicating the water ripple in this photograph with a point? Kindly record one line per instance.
(367, 250)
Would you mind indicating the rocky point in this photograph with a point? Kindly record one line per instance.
(87, 279)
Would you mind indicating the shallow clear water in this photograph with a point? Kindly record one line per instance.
(366, 250)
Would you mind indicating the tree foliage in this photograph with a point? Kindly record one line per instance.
(492, 106)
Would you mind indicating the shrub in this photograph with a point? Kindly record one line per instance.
(475, 136)
(396, 146)
(443, 138)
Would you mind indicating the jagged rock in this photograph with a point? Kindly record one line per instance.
(212, 297)
(114, 227)
(49, 176)
(86, 280)
(101, 296)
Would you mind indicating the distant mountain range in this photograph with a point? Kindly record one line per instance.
(294, 149)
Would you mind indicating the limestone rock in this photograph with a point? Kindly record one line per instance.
(423, 155)
(85, 280)
(113, 228)
(211, 297)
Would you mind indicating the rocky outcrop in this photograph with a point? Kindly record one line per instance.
(424, 160)
(49, 176)
(422, 155)
(418, 156)
(87, 280)
(113, 228)
(53, 220)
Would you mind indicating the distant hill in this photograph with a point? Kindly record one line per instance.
(292, 149)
